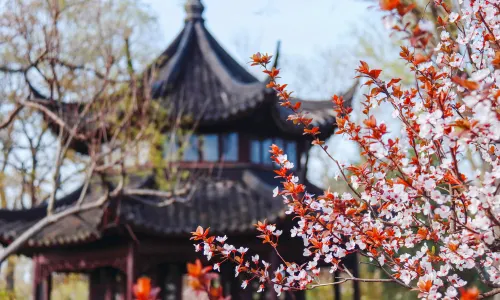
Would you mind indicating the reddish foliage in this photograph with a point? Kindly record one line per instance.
(413, 192)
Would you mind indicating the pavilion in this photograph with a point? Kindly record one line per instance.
(239, 118)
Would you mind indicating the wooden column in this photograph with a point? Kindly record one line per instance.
(95, 287)
(42, 285)
(243, 148)
(103, 284)
(299, 295)
(275, 262)
(336, 287)
(355, 273)
(109, 282)
(36, 277)
(130, 276)
(178, 279)
(227, 280)
(171, 282)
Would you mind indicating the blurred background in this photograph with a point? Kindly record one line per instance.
(322, 42)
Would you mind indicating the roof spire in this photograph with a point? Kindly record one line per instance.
(194, 10)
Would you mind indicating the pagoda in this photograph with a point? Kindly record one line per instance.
(238, 119)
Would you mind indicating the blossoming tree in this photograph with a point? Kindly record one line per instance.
(416, 208)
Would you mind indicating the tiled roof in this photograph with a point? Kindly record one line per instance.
(226, 205)
(196, 76)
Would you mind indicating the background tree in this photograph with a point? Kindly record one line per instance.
(75, 109)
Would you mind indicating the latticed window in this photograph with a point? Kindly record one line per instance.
(259, 150)
(203, 148)
(230, 147)
(210, 147)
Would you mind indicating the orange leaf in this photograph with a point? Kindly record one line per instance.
(142, 289)
(393, 81)
(420, 58)
(389, 4)
(468, 84)
(470, 294)
(424, 286)
(403, 10)
(364, 68)
(371, 122)
(272, 73)
(259, 58)
(313, 131)
(375, 73)
(496, 60)
(317, 142)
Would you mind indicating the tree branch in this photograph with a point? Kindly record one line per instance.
(11, 116)
(343, 279)
(489, 294)
(52, 116)
(49, 219)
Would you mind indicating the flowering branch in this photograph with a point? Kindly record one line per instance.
(415, 207)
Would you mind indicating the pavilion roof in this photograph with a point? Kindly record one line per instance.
(230, 204)
(196, 77)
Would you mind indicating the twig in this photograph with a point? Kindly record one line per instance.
(489, 294)
(343, 279)
(49, 219)
(11, 116)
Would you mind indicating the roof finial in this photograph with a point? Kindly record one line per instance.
(194, 9)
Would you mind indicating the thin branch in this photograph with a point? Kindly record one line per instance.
(343, 279)
(60, 122)
(11, 116)
(489, 294)
(49, 219)
(156, 193)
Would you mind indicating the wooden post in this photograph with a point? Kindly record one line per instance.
(42, 286)
(36, 277)
(178, 279)
(275, 262)
(299, 295)
(244, 148)
(47, 287)
(336, 287)
(109, 282)
(130, 271)
(95, 288)
(171, 283)
(355, 273)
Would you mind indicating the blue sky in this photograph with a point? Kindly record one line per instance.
(306, 28)
(302, 25)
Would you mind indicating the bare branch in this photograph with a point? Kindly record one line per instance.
(49, 219)
(52, 116)
(11, 116)
(489, 294)
(343, 280)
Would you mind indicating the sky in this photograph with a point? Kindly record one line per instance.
(303, 26)
(307, 30)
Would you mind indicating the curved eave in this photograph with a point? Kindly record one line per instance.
(229, 206)
(195, 75)
(321, 111)
(14, 222)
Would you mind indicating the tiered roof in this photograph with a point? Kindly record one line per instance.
(230, 203)
(195, 75)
